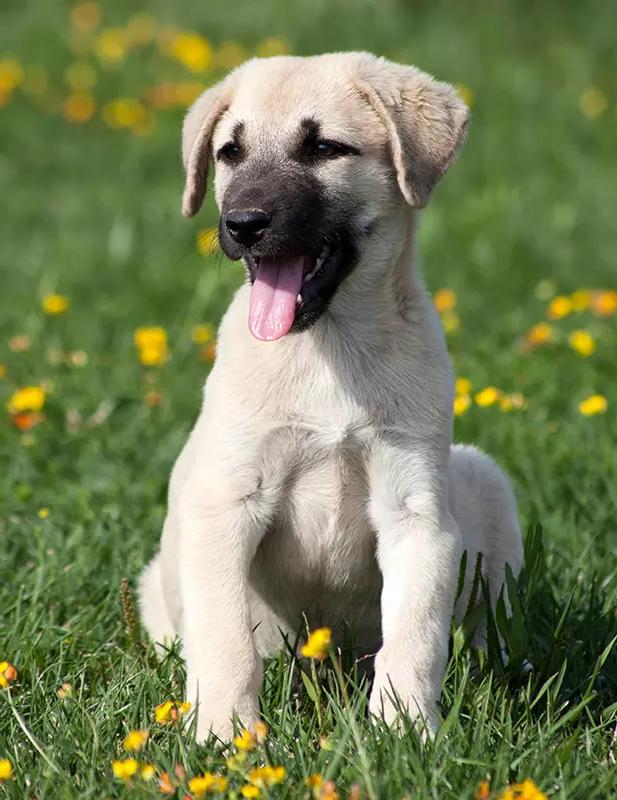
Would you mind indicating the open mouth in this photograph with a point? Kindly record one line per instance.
(291, 292)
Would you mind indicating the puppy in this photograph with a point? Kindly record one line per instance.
(320, 479)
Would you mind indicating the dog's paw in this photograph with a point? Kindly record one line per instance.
(395, 694)
(216, 712)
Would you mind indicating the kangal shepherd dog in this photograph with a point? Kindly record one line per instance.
(320, 481)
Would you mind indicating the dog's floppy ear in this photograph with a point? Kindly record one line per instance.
(426, 122)
(197, 130)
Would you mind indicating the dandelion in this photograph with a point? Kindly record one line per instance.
(200, 334)
(487, 397)
(207, 241)
(604, 304)
(65, 691)
(248, 790)
(54, 304)
(86, 16)
(462, 386)
(6, 770)
(236, 762)
(580, 299)
(135, 740)
(147, 772)
(43, 513)
(151, 344)
(264, 777)
(124, 769)
(559, 307)
(450, 321)
(593, 405)
(462, 402)
(208, 352)
(539, 334)
(192, 50)
(125, 112)
(583, 342)
(78, 108)
(246, 741)
(170, 711)
(229, 55)
(11, 75)
(111, 45)
(272, 46)
(28, 398)
(445, 300)
(141, 29)
(202, 784)
(166, 785)
(593, 102)
(527, 790)
(260, 729)
(8, 674)
(318, 644)
(483, 792)
(314, 782)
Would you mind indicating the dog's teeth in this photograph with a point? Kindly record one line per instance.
(299, 299)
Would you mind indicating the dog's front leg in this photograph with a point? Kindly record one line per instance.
(419, 547)
(221, 523)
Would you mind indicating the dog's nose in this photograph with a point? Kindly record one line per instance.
(247, 227)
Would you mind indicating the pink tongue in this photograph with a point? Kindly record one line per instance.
(272, 306)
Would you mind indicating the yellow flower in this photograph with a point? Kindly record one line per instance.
(314, 783)
(593, 405)
(65, 691)
(170, 711)
(86, 15)
(559, 307)
(151, 344)
(43, 513)
(488, 396)
(147, 771)
(267, 776)
(445, 300)
(201, 333)
(328, 791)
(111, 45)
(208, 351)
(28, 398)
(246, 741)
(80, 76)
(54, 304)
(229, 55)
(483, 792)
(207, 782)
(250, 791)
(124, 769)
(604, 303)
(583, 342)
(318, 644)
(542, 333)
(78, 108)
(462, 386)
(527, 790)
(125, 112)
(141, 29)
(135, 740)
(207, 241)
(236, 762)
(8, 673)
(450, 321)
(580, 299)
(260, 729)
(272, 47)
(6, 770)
(192, 50)
(465, 92)
(11, 75)
(461, 404)
(593, 102)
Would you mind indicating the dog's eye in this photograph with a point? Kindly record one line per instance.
(230, 152)
(326, 148)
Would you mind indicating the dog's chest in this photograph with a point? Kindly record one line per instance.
(318, 556)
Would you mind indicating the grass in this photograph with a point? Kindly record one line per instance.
(93, 213)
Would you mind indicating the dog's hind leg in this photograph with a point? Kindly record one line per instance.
(483, 504)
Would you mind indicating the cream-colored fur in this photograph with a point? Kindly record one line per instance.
(320, 479)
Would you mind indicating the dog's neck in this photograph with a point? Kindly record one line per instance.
(376, 295)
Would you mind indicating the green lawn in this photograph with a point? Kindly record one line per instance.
(92, 212)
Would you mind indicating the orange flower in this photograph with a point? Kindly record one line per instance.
(604, 303)
(445, 300)
(79, 107)
(483, 792)
(86, 15)
(539, 334)
(559, 307)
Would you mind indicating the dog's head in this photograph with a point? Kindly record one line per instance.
(316, 161)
